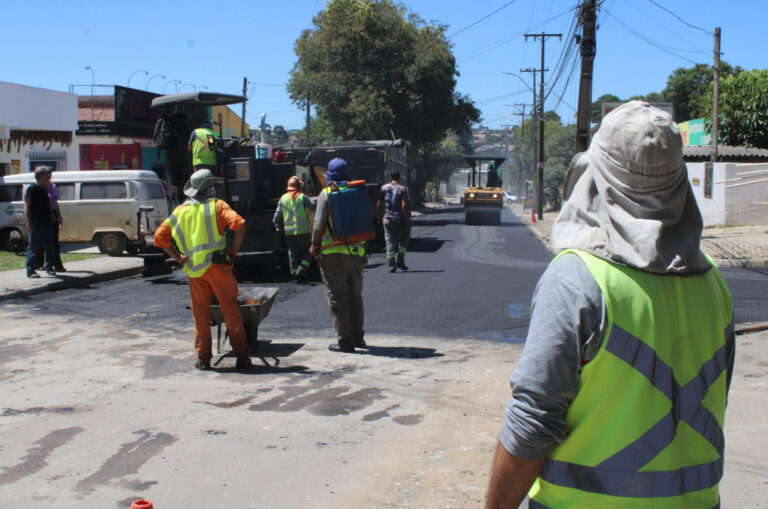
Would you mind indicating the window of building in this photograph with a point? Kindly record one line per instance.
(66, 191)
(10, 192)
(103, 191)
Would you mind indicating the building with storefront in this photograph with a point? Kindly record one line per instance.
(37, 127)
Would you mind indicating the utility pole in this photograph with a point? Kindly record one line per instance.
(540, 164)
(716, 96)
(533, 117)
(242, 120)
(309, 118)
(507, 144)
(523, 114)
(588, 47)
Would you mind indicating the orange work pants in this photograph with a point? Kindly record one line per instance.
(218, 280)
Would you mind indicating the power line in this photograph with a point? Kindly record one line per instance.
(657, 45)
(481, 19)
(679, 18)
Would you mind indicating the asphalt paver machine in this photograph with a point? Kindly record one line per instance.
(483, 204)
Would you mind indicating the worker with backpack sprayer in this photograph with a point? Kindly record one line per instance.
(343, 223)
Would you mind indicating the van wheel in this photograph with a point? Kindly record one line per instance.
(112, 244)
(11, 240)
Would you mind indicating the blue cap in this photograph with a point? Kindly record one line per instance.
(337, 171)
(207, 125)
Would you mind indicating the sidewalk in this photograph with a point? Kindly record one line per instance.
(729, 246)
(14, 284)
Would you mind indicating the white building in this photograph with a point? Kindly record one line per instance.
(37, 126)
(733, 192)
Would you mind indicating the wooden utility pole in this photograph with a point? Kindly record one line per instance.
(242, 120)
(716, 96)
(309, 118)
(540, 164)
(523, 114)
(588, 47)
(534, 113)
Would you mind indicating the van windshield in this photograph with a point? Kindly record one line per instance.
(10, 192)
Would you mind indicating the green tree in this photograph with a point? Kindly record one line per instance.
(689, 89)
(371, 68)
(595, 107)
(320, 131)
(436, 162)
(743, 118)
(279, 134)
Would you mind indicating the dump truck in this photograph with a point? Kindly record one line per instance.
(483, 204)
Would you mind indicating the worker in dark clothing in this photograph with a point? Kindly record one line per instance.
(292, 218)
(396, 221)
(37, 211)
(492, 178)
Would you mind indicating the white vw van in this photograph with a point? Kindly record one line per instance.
(96, 206)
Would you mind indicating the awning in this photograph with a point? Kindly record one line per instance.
(199, 98)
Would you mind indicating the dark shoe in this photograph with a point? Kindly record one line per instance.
(60, 268)
(33, 275)
(50, 272)
(392, 270)
(402, 266)
(203, 366)
(243, 362)
(360, 343)
(341, 348)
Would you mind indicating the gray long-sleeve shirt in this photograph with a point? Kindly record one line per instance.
(567, 326)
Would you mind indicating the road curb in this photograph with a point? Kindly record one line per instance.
(745, 263)
(73, 283)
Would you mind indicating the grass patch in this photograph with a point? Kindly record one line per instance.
(11, 261)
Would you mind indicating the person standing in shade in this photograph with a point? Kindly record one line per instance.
(198, 228)
(619, 397)
(292, 218)
(434, 193)
(201, 147)
(396, 220)
(341, 266)
(56, 222)
(37, 211)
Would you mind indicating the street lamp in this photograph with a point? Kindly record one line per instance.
(93, 83)
(184, 85)
(172, 81)
(151, 78)
(201, 88)
(128, 84)
(521, 79)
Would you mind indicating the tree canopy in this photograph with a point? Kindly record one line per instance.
(373, 69)
(743, 118)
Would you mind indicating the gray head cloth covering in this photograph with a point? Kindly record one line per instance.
(199, 186)
(628, 198)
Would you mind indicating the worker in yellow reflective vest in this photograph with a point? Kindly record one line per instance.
(202, 148)
(341, 267)
(619, 398)
(197, 227)
(292, 218)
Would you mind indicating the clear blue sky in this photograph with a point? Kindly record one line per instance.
(215, 44)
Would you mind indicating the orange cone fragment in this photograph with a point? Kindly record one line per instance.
(142, 504)
(533, 217)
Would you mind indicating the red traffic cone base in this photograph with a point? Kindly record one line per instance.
(533, 216)
(142, 504)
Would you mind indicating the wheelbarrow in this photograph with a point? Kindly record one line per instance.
(255, 303)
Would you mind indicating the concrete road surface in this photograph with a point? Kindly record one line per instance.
(100, 404)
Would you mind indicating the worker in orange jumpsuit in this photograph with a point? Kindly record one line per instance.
(197, 227)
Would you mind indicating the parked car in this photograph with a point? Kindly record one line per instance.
(509, 197)
(96, 206)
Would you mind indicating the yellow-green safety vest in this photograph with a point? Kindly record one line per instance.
(201, 150)
(295, 220)
(197, 236)
(646, 426)
(329, 245)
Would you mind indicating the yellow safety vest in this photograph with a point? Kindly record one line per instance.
(201, 150)
(197, 236)
(295, 220)
(646, 426)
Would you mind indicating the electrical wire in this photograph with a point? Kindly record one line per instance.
(674, 33)
(481, 19)
(632, 31)
(680, 19)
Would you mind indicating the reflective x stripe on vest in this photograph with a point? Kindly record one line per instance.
(329, 245)
(635, 431)
(197, 235)
(295, 220)
(201, 152)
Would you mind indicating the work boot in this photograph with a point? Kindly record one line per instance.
(344, 348)
(401, 265)
(360, 343)
(203, 366)
(392, 270)
(243, 362)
